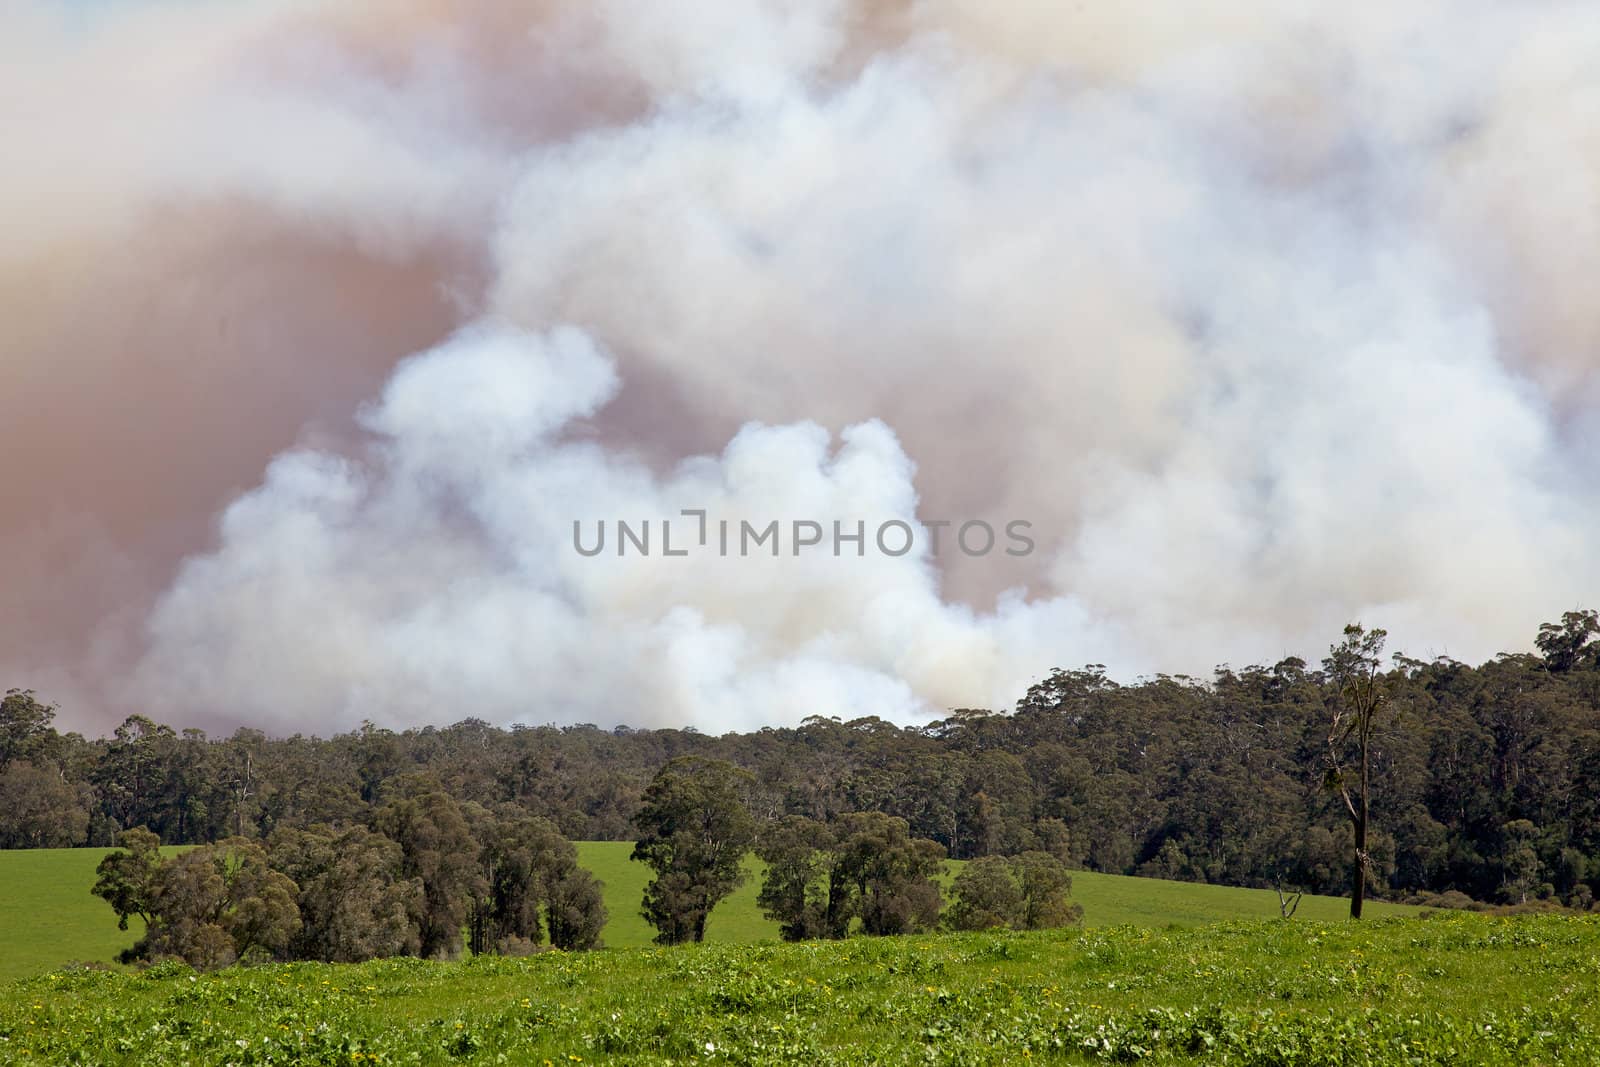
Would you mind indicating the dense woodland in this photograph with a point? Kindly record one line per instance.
(1485, 780)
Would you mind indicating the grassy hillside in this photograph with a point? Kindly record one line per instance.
(1450, 989)
(736, 919)
(1116, 900)
(48, 917)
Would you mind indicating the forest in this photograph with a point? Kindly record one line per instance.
(1484, 780)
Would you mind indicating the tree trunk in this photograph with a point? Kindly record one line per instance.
(1359, 890)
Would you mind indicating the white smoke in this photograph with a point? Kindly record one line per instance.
(1267, 316)
(441, 575)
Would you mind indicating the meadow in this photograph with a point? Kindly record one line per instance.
(1451, 988)
(1163, 972)
(48, 918)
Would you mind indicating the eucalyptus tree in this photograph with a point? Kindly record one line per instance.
(1355, 669)
(694, 831)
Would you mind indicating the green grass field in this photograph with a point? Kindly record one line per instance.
(48, 917)
(1452, 988)
(1107, 899)
(1116, 900)
(736, 919)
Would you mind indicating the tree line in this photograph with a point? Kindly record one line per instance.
(1478, 782)
(859, 872)
(425, 873)
(429, 877)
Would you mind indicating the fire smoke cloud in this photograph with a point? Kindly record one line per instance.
(322, 327)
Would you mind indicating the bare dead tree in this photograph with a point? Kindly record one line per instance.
(1287, 901)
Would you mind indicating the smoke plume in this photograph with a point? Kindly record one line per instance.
(324, 326)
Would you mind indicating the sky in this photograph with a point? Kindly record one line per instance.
(324, 325)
